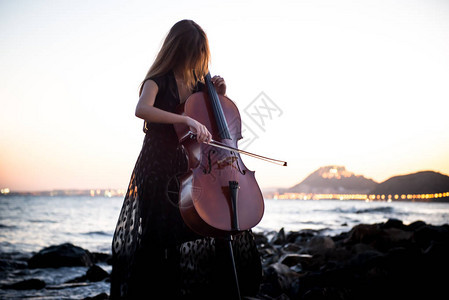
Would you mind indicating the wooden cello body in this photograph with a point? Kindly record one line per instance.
(218, 195)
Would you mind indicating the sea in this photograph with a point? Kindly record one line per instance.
(31, 223)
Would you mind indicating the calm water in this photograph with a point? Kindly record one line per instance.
(27, 224)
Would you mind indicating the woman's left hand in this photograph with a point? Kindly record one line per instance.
(220, 85)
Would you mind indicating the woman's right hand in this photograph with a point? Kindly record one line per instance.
(202, 134)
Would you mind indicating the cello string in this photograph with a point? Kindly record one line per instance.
(218, 110)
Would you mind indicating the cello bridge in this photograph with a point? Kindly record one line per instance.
(227, 161)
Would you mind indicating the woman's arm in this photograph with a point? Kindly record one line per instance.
(145, 107)
(145, 110)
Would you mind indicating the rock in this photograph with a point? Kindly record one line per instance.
(395, 235)
(29, 284)
(361, 247)
(394, 223)
(424, 235)
(278, 238)
(9, 264)
(380, 236)
(64, 255)
(102, 296)
(278, 279)
(364, 233)
(93, 274)
(303, 235)
(319, 245)
(96, 273)
(415, 225)
(292, 259)
(98, 257)
(360, 260)
(291, 248)
(260, 238)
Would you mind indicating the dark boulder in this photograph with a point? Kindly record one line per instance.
(29, 284)
(64, 255)
(9, 264)
(96, 273)
(93, 274)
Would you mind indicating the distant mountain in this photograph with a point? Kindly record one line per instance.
(426, 182)
(333, 180)
(337, 180)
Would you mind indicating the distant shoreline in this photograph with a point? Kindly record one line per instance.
(326, 183)
(68, 192)
(430, 197)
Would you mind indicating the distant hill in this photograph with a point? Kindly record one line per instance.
(426, 182)
(338, 180)
(333, 180)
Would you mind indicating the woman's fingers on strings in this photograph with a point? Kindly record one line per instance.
(216, 80)
(219, 84)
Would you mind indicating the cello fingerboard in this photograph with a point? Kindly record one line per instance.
(220, 118)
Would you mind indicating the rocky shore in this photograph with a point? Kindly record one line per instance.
(371, 261)
(388, 260)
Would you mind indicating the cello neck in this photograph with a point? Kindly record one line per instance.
(220, 118)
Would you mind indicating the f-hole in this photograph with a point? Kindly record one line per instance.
(208, 168)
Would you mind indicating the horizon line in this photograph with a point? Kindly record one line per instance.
(6, 190)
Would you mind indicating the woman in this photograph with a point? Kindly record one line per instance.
(154, 252)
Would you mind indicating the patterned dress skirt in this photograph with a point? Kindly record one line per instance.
(155, 253)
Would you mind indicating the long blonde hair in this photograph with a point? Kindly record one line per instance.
(185, 49)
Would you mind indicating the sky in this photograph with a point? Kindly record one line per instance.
(361, 84)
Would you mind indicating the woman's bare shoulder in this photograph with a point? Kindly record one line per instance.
(149, 86)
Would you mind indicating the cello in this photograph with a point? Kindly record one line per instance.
(217, 177)
(218, 196)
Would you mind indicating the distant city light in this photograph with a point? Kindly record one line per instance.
(59, 193)
(365, 197)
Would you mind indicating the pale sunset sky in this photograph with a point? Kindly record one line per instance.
(362, 84)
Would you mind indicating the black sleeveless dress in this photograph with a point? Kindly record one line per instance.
(153, 251)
